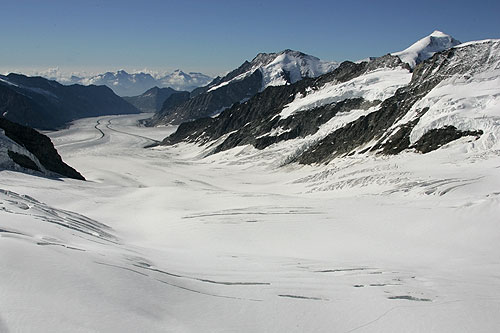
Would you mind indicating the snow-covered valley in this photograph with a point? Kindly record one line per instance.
(163, 240)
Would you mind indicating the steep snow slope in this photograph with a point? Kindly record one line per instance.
(378, 84)
(469, 100)
(426, 47)
(467, 96)
(162, 240)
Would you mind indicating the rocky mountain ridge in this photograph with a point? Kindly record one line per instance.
(380, 106)
(46, 104)
(265, 70)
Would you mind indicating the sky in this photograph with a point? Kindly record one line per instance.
(215, 36)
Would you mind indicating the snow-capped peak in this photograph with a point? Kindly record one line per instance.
(426, 47)
(287, 66)
(291, 66)
(439, 34)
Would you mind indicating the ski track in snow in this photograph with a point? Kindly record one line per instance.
(162, 240)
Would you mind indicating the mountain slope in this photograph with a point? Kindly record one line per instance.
(266, 69)
(426, 47)
(152, 100)
(41, 103)
(376, 106)
(22, 148)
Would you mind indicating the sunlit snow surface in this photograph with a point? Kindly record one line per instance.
(426, 48)
(374, 85)
(273, 67)
(161, 240)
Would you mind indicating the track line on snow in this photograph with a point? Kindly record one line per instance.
(205, 280)
(175, 285)
(250, 213)
(96, 126)
(127, 133)
(121, 267)
(304, 297)
(208, 294)
(100, 130)
(395, 308)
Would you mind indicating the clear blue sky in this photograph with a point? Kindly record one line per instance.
(214, 36)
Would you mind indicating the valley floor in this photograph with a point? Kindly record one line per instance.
(163, 240)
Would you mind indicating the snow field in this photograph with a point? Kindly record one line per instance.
(233, 243)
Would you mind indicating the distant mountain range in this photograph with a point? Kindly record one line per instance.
(419, 99)
(46, 104)
(126, 84)
(265, 70)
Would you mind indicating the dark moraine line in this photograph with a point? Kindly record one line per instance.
(97, 128)
(304, 297)
(205, 280)
(122, 132)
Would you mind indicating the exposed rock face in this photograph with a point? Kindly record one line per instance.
(152, 100)
(22, 109)
(41, 103)
(265, 70)
(252, 121)
(436, 138)
(209, 103)
(23, 160)
(411, 117)
(35, 150)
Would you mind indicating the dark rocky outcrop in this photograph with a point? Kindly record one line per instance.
(24, 110)
(45, 104)
(40, 146)
(438, 137)
(208, 103)
(23, 160)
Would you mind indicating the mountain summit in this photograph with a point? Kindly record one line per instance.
(426, 47)
(265, 70)
(280, 68)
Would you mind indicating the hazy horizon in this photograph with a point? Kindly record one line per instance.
(214, 38)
